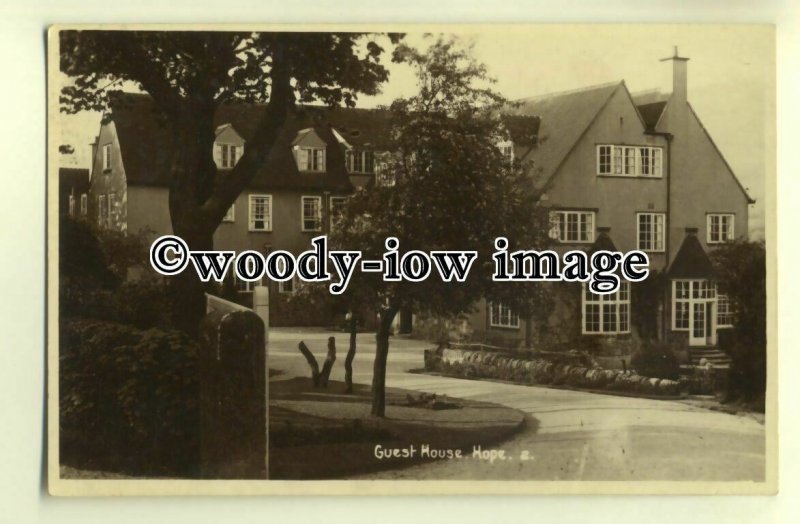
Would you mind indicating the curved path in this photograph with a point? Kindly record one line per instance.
(571, 435)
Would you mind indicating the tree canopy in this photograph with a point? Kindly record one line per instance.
(189, 74)
(447, 186)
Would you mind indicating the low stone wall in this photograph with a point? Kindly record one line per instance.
(487, 364)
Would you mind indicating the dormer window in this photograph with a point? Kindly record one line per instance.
(228, 147)
(361, 161)
(230, 155)
(310, 159)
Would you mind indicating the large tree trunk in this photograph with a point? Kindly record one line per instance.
(351, 354)
(193, 173)
(379, 368)
(187, 291)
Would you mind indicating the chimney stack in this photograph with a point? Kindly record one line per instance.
(679, 88)
(94, 154)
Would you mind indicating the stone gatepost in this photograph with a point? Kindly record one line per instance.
(233, 396)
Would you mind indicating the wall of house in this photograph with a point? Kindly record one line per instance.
(702, 183)
(615, 199)
(150, 211)
(106, 181)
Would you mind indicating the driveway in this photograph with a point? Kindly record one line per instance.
(570, 435)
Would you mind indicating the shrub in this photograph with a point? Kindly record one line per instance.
(143, 302)
(128, 398)
(657, 360)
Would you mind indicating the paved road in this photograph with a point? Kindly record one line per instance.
(570, 435)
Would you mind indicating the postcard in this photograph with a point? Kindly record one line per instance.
(399, 259)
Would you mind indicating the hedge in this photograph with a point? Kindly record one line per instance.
(127, 399)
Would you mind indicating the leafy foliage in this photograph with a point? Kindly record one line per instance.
(448, 187)
(654, 359)
(742, 267)
(94, 270)
(189, 74)
(127, 398)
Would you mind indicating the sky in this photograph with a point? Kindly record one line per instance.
(731, 80)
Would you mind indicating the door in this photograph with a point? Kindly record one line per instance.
(698, 324)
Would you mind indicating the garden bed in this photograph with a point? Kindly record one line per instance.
(320, 433)
(539, 371)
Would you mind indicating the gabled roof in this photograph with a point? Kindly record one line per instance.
(691, 261)
(651, 106)
(603, 242)
(563, 118)
(144, 141)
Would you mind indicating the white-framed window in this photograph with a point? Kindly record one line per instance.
(243, 286)
(725, 313)
(650, 161)
(230, 154)
(361, 161)
(501, 315)
(111, 201)
(102, 210)
(72, 205)
(84, 204)
(260, 213)
(631, 161)
(337, 204)
(650, 231)
(686, 293)
(310, 158)
(606, 314)
(719, 228)
(312, 213)
(230, 215)
(107, 157)
(572, 226)
(508, 153)
(289, 286)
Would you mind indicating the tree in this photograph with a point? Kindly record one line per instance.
(742, 269)
(450, 190)
(189, 74)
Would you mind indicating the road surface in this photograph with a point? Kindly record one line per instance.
(570, 435)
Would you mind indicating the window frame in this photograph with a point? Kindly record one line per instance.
(600, 301)
(709, 219)
(707, 293)
(106, 157)
(590, 231)
(363, 154)
(71, 207)
(102, 209)
(333, 216)
(303, 199)
(620, 160)
(84, 204)
(729, 314)
(653, 232)
(309, 166)
(267, 217)
(513, 318)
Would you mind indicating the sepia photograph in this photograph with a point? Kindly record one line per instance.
(366, 255)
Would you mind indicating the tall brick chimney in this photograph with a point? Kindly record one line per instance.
(679, 88)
